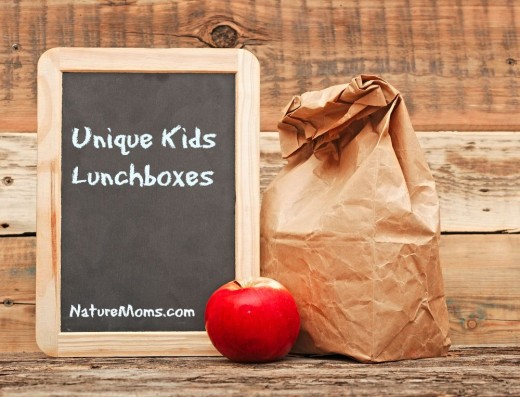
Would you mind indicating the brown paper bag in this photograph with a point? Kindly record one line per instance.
(351, 226)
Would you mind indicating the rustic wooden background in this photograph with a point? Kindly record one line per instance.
(456, 62)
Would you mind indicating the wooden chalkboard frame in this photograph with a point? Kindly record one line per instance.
(51, 66)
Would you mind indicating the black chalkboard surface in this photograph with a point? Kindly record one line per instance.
(147, 195)
(148, 230)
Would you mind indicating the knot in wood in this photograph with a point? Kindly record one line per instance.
(511, 61)
(224, 36)
(7, 180)
(8, 302)
(471, 323)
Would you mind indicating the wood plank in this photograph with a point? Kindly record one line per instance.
(477, 175)
(478, 179)
(471, 371)
(17, 330)
(481, 274)
(17, 294)
(456, 63)
(482, 286)
(17, 270)
(17, 183)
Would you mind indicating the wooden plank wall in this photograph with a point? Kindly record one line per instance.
(456, 63)
(482, 271)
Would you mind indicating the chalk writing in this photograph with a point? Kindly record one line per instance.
(127, 311)
(171, 138)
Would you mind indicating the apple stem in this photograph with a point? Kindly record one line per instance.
(237, 283)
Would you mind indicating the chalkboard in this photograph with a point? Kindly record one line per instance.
(148, 229)
(145, 208)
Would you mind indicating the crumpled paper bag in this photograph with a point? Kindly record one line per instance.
(351, 226)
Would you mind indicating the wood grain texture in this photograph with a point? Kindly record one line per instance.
(17, 294)
(482, 286)
(48, 201)
(247, 164)
(478, 179)
(457, 63)
(17, 331)
(17, 183)
(131, 344)
(17, 270)
(477, 176)
(481, 276)
(467, 371)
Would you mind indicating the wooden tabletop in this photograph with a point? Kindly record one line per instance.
(467, 371)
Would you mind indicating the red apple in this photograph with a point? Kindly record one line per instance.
(252, 321)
